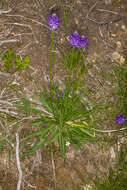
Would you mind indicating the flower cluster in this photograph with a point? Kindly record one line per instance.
(75, 39)
(78, 41)
(53, 22)
(120, 119)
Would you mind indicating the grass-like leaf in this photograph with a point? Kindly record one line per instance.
(39, 143)
(44, 103)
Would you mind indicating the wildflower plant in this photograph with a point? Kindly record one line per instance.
(53, 22)
(63, 119)
(74, 58)
(78, 41)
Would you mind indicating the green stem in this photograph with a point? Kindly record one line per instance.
(65, 17)
(50, 59)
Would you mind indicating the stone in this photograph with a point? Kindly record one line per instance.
(115, 55)
(122, 60)
(113, 35)
(118, 44)
(123, 27)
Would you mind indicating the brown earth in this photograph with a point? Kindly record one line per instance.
(104, 23)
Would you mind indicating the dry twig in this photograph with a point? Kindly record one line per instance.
(6, 33)
(8, 41)
(29, 185)
(108, 22)
(90, 10)
(53, 167)
(34, 21)
(24, 25)
(12, 113)
(18, 163)
(5, 11)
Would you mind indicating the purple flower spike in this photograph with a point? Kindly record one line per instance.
(53, 22)
(83, 42)
(74, 39)
(120, 119)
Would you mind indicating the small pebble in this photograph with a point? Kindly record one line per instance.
(122, 60)
(118, 44)
(111, 99)
(115, 55)
(76, 21)
(123, 27)
(113, 35)
(79, 2)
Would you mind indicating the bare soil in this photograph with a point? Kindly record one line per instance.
(105, 26)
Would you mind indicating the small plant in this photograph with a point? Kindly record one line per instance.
(53, 23)
(64, 118)
(14, 62)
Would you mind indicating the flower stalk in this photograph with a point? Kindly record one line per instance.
(50, 58)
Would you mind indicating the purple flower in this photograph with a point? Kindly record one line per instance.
(77, 41)
(57, 94)
(120, 119)
(53, 22)
(83, 42)
(74, 39)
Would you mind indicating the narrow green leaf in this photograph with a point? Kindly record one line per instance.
(32, 135)
(39, 143)
(37, 111)
(36, 122)
(19, 106)
(40, 132)
(55, 135)
(87, 133)
(44, 103)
